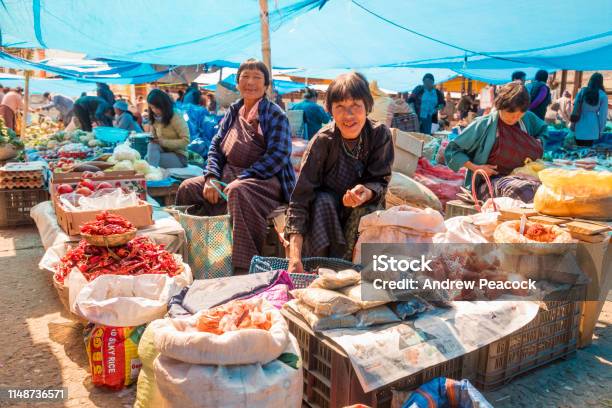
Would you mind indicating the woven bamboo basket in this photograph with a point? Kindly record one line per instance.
(110, 240)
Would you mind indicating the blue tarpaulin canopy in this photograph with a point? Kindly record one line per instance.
(115, 72)
(480, 34)
(38, 85)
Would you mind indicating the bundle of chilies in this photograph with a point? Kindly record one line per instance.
(107, 224)
(139, 256)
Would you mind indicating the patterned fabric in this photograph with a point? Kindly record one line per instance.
(277, 136)
(250, 200)
(333, 228)
(512, 146)
(518, 187)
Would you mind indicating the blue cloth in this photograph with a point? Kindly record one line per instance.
(429, 101)
(314, 116)
(444, 392)
(592, 120)
(476, 141)
(126, 121)
(193, 96)
(276, 160)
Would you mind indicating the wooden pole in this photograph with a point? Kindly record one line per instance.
(577, 82)
(563, 81)
(26, 103)
(266, 50)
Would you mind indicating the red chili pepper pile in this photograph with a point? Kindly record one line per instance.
(107, 224)
(137, 257)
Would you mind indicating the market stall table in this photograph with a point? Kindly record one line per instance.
(166, 230)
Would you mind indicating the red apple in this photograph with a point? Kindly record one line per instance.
(64, 189)
(87, 183)
(104, 184)
(84, 191)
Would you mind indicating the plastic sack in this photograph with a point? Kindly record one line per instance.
(475, 228)
(326, 302)
(108, 199)
(356, 294)
(404, 190)
(180, 339)
(375, 316)
(508, 233)
(444, 392)
(530, 168)
(319, 323)
(118, 300)
(398, 225)
(147, 393)
(113, 355)
(440, 154)
(330, 279)
(279, 383)
(575, 193)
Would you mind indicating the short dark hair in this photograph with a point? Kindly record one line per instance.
(428, 76)
(541, 75)
(352, 85)
(518, 75)
(46, 94)
(163, 102)
(310, 93)
(512, 97)
(254, 65)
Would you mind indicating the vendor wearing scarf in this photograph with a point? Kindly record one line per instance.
(344, 175)
(500, 142)
(251, 153)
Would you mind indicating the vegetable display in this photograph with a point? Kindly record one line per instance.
(107, 224)
(139, 256)
(236, 315)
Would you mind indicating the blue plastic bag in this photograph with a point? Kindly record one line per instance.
(446, 393)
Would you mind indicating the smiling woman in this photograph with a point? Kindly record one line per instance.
(344, 175)
(251, 153)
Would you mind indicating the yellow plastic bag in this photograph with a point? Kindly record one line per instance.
(530, 168)
(147, 393)
(575, 193)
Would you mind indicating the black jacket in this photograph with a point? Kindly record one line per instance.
(416, 97)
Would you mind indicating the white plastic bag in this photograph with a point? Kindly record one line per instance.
(108, 199)
(118, 300)
(179, 339)
(275, 384)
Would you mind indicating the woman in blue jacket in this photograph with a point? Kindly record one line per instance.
(500, 142)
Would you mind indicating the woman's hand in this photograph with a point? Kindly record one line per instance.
(490, 169)
(357, 196)
(210, 193)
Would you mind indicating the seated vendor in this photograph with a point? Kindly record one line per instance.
(251, 153)
(499, 143)
(344, 175)
(124, 119)
(170, 133)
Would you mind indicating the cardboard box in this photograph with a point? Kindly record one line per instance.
(127, 180)
(71, 221)
(407, 149)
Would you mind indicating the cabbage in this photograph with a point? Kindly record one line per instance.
(125, 152)
(141, 166)
(155, 174)
(123, 165)
(111, 160)
(94, 143)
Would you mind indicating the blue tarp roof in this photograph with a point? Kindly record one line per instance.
(38, 85)
(115, 72)
(479, 34)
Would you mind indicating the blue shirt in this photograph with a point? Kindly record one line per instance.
(429, 101)
(314, 116)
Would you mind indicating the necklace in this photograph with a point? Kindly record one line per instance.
(355, 152)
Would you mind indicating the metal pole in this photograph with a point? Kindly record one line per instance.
(266, 50)
(26, 103)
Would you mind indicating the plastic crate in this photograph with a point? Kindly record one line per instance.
(552, 335)
(15, 205)
(330, 380)
(455, 208)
